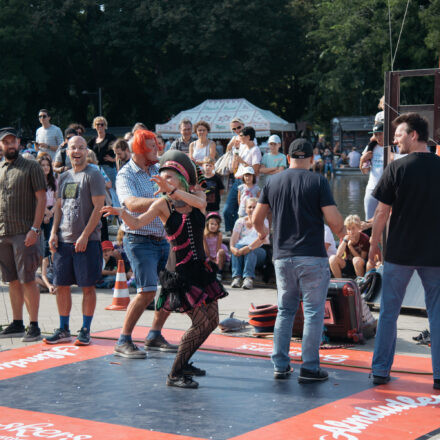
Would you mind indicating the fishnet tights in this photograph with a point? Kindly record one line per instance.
(204, 321)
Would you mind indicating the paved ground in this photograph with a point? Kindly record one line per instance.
(238, 301)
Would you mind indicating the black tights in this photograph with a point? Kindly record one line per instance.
(204, 321)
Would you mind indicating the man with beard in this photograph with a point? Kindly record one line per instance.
(22, 205)
(75, 240)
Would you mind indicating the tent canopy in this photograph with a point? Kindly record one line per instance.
(219, 112)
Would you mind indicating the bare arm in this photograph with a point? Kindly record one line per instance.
(32, 236)
(380, 220)
(138, 204)
(334, 219)
(212, 150)
(191, 150)
(258, 217)
(53, 240)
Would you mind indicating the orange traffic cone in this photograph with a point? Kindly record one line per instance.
(121, 297)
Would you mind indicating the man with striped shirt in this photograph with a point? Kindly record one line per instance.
(22, 206)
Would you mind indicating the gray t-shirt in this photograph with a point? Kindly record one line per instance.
(76, 191)
(51, 136)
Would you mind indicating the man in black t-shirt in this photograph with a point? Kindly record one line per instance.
(409, 189)
(299, 201)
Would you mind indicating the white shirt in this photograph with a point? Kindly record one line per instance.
(328, 238)
(376, 169)
(252, 156)
(51, 136)
(354, 158)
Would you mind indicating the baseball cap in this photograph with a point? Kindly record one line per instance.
(248, 170)
(6, 131)
(300, 149)
(107, 244)
(378, 128)
(274, 139)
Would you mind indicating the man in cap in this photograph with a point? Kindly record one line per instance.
(372, 162)
(146, 247)
(22, 206)
(299, 201)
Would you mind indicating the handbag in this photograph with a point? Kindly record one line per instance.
(223, 164)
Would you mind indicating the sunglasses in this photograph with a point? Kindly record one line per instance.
(237, 128)
(42, 116)
(100, 124)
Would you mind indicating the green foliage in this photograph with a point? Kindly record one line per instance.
(305, 60)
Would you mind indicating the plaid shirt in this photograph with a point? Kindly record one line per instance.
(133, 181)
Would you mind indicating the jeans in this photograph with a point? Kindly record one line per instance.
(309, 276)
(230, 212)
(245, 265)
(370, 204)
(111, 173)
(328, 167)
(395, 279)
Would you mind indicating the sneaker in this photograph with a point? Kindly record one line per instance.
(248, 283)
(60, 335)
(129, 350)
(33, 333)
(182, 382)
(83, 337)
(423, 335)
(437, 384)
(160, 344)
(307, 376)
(13, 330)
(283, 374)
(236, 283)
(380, 380)
(191, 370)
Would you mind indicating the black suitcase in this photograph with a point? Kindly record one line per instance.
(343, 312)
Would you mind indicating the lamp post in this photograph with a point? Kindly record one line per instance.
(99, 93)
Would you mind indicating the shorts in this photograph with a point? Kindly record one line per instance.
(348, 271)
(81, 268)
(147, 258)
(17, 261)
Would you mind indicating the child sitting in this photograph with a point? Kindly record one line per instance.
(216, 251)
(351, 256)
(110, 266)
(46, 280)
(247, 190)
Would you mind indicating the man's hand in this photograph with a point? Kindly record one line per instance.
(374, 254)
(81, 244)
(31, 238)
(53, 243)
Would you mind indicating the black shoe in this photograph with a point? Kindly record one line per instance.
(130, 351)
(437, 384)
(33, 333)
(60, 335)
(191, 370)
(83, 337)
(380, 380)
(159, 343)
(182, 382)
(308, 376)
(283, 374)
(13, 330)
(421, 336)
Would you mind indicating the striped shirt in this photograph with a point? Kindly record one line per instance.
(19, 181)
(133, 181)
(51, 136)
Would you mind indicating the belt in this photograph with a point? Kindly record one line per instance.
(149, 237)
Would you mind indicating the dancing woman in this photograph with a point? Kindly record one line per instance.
(189, 283)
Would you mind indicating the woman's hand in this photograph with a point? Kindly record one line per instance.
(111, 210)
(163, 185)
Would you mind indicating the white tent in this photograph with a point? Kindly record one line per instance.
(219, 112)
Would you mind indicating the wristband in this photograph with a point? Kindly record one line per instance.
(36, 230)
(172, 192)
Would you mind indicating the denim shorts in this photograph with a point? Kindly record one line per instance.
(147, 258)
(81, 268)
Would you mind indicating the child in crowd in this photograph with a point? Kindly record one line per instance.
(317, 161)
(214, 185)
(272, 162)
(248, 189)
(351, 256)
(216, 251)
(110, 266)
(120, 254)
(45, 281)
(327, 158)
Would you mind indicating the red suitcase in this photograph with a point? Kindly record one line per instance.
(343, 312)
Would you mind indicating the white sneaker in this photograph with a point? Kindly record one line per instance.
(248, 283)
(236, 282)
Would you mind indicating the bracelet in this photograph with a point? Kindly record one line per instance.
(172, 192)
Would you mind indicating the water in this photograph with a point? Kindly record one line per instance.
(348, 192)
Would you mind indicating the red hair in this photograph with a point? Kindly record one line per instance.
(139, 145)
